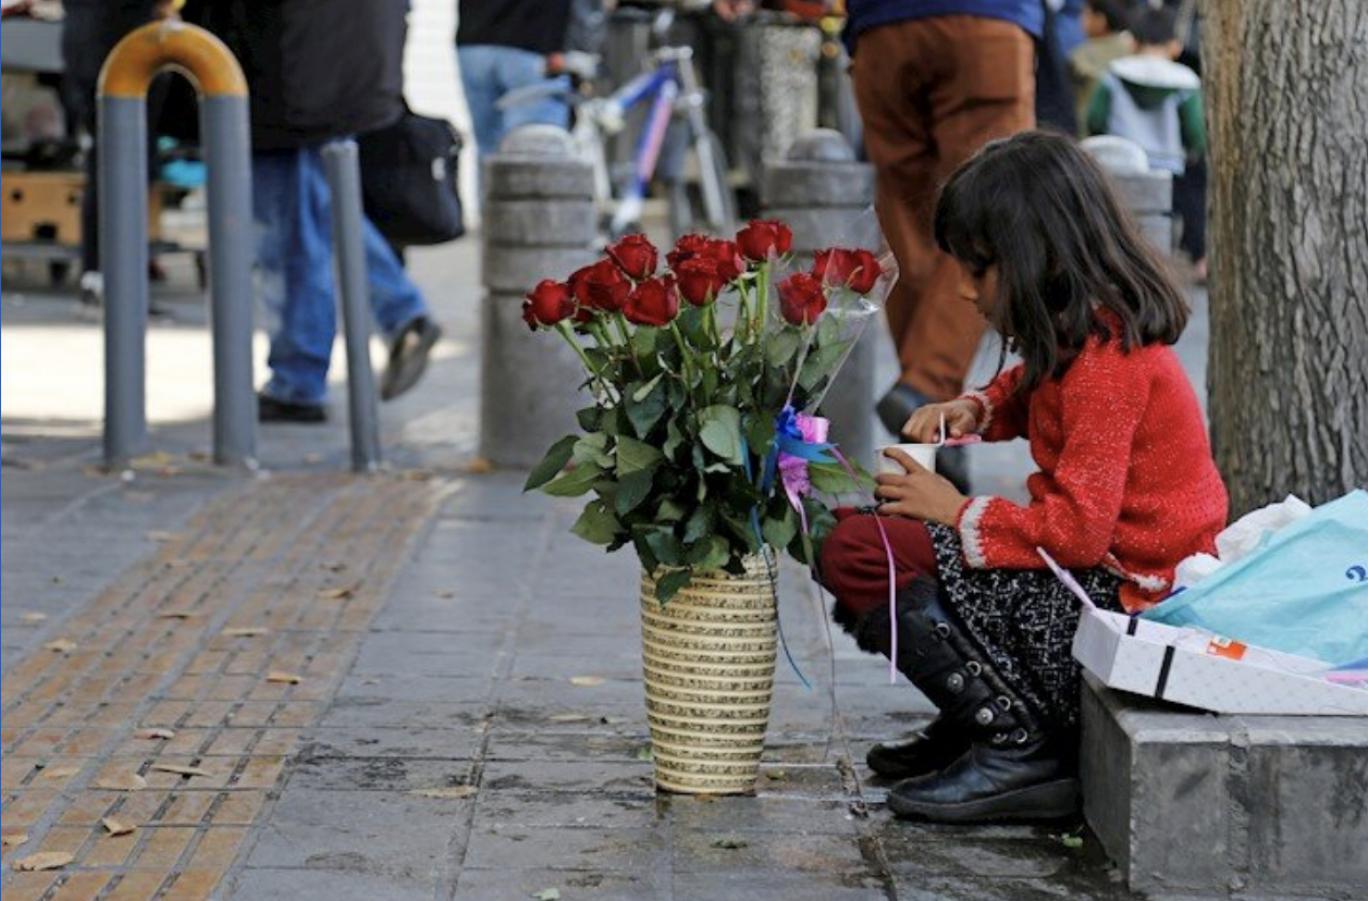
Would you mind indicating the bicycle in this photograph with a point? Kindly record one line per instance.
(670, 85)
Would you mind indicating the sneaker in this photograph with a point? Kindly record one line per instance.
(408, 357)
(269, 409)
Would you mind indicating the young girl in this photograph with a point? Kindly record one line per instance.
(1126, 487)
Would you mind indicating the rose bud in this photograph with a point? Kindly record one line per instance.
(801, 299)
(653, 302)
(700, 280)
(635, 256)
(601, 286)
(855, 269)
(548, 303)
(761, 237)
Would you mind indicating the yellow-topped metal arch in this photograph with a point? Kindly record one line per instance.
(171, 43)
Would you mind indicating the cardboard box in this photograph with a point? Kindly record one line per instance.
(1189, 667)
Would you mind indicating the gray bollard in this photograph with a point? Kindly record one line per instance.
(1147, 193)
(826, 197)
(342, 166)
(539, 222)
(124, 79)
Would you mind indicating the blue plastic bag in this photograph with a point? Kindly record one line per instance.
(1304, 592)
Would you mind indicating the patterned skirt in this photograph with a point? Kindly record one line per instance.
(1024, 623)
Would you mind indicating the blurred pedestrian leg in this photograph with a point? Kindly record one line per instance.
(931, 91)
(487, 73)
(293, 210)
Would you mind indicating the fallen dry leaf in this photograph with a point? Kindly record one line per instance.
(336, 566)
(58, 772)
(775, 775)
(178, 769)
(13, 839)
(455, 791)
(338, 594)
(479, 466)
(586, 681)
(246, 632)
(157, 535)
(32, 618)
(122, 782)
(43, 860)
(155, 733)
(61, 645)
(730, 843)
(286, 678)
(117, 827)
(152, 460)
(176, 614)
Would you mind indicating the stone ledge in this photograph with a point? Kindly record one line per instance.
(1191, 802)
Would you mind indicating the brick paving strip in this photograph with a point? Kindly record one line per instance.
(231, 638)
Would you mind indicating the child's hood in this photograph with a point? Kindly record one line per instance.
(1150, 80)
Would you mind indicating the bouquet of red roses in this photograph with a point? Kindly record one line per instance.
(699, 448)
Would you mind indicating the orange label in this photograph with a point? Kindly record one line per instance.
(1226, 647)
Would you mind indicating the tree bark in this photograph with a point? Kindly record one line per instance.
(1287, 97)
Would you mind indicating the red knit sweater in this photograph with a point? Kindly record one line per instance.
(1126, 478)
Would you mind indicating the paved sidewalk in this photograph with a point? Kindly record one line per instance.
(441, 741)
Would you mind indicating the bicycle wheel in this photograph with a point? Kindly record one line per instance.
(689, 207)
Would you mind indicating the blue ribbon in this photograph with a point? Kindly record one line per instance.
(788, 439)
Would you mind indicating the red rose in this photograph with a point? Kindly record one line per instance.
(653, 302)
(547, 304)
(686, 248)
(601, 286)
(761, 236)
(729, 262)
(635, 255)
(855, 269)
(801, 300)
(700, 280)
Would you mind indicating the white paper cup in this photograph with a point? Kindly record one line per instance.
(925, 454)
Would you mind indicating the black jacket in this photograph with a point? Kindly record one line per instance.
(317, 69)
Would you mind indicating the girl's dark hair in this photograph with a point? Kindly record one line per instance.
(1040, 208)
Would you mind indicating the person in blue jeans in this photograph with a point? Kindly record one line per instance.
(292, 207)
(502, 45)
(314, 79)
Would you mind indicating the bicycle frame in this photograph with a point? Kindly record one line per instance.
(661, 87)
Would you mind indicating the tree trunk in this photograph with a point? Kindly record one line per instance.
(1287, 97)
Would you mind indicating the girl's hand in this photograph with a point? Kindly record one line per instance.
(918, 493)
(961, 418)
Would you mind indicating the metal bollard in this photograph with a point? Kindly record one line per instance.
(826, 197)
(342, 166)
(539, 222)
(123, 233)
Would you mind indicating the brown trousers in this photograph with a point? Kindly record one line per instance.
(931, 92)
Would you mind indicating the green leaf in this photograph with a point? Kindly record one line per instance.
(631, 491)
(596, 524)
(593, 448)
(700, 523)
(820, 362)
(721, 432)
(832, 478)
(673, 437)
(670, 510)
(779, 531)
(710, 553)
(665, 546)
(828, 330)
(588, 418)
(575, 482)
(644, 341)
(636, 456)
(668, 585)
(551, 464)
(646, 405)
(781, 347)
(759, 433)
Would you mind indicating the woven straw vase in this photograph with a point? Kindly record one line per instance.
(708, 657)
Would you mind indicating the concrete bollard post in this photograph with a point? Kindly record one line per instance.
(826, 197)
(1147, 193)
(539, 222)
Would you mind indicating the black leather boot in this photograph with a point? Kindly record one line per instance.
(1014, 768)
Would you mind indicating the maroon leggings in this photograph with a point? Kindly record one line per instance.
(855, 565)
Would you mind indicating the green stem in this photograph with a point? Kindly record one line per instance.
(685, 358)
(763, 301)
(564, 328)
